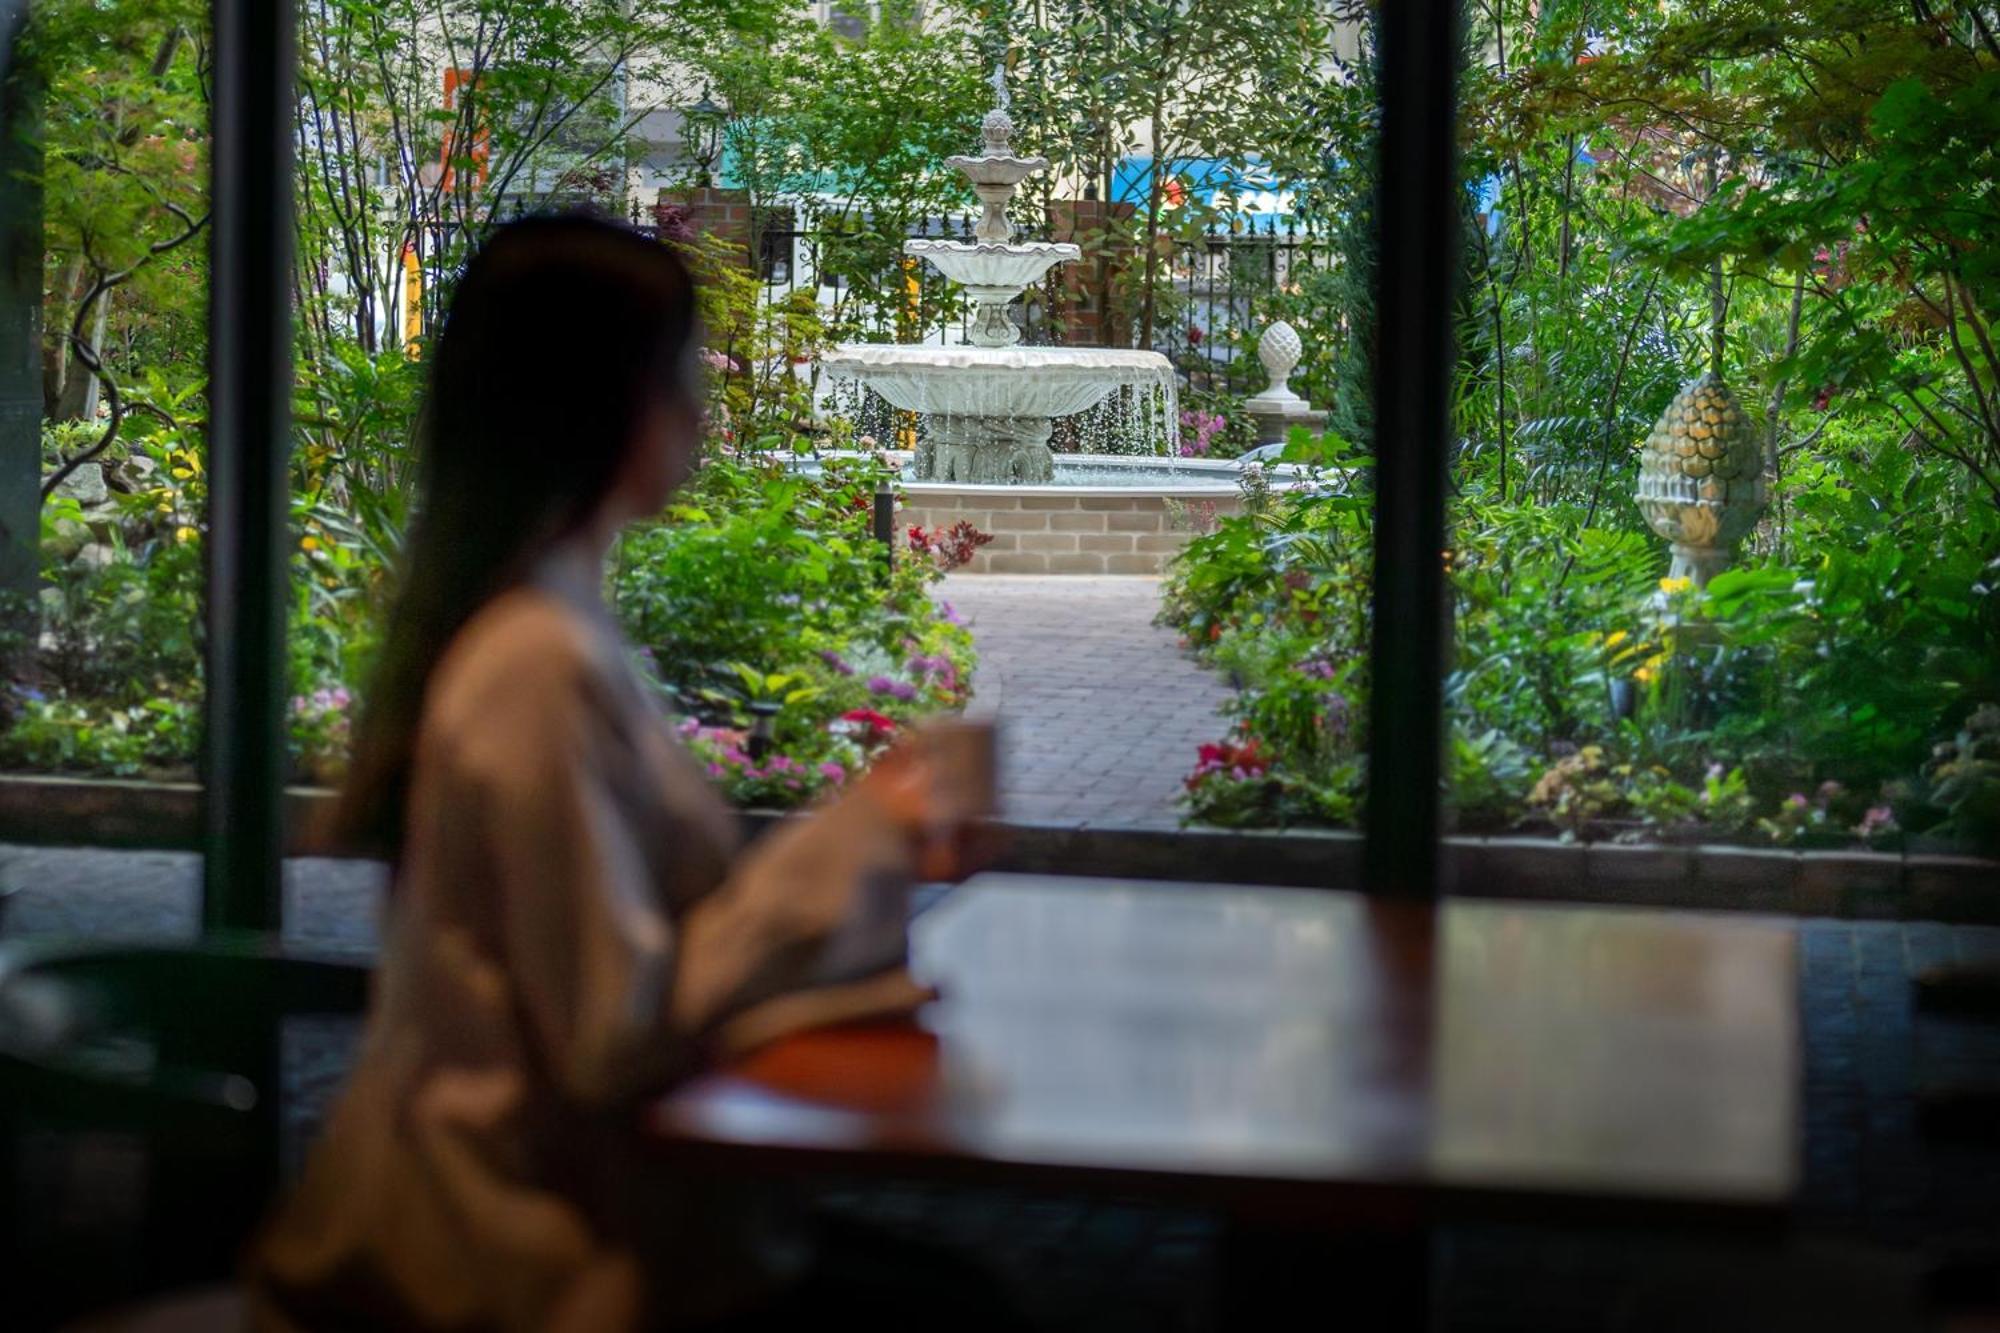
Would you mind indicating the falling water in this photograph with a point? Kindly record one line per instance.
(1138, 419)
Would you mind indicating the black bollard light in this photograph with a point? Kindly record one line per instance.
(765, 716)
(885, 522)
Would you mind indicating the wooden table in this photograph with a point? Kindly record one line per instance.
(1301, 1058)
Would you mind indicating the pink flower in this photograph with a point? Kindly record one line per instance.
(895, 689)
(1198, 432)
(1879, 819)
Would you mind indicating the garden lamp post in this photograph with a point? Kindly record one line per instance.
(703, 124)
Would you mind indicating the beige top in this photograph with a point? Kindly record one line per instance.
(568, 935)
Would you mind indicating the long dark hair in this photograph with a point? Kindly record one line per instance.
(562, 334)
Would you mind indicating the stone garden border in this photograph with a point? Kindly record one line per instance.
(1862, 885)
(1055, 530)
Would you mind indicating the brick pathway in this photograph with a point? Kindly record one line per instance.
(1100, 710)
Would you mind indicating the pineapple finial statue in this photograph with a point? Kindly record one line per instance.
(1701, 471)
(1701, 478)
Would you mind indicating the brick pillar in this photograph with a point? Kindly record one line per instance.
(1084, 304)
(724, 214)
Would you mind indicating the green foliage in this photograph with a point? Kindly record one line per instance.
(756, 396)
(854, 130)
(1849, 669)
(124, 199)
(1535, 591)
(1797, 704)
(1800, 196)
(782, 580)
(1170, 82)
(1964, 779)
(764, 591)
(399, 156)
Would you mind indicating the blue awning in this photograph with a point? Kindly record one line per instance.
(1231, 191)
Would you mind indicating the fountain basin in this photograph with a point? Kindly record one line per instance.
(991, 410)
(992, 266)
(995, 381)
(1099, 514)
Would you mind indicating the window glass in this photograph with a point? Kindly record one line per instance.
(1725, 507)
(104, 223)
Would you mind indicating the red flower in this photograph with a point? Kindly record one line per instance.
(1240, 760)
(878, 727)
(951, 547)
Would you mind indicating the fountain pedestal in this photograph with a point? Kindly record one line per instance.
(988, 451)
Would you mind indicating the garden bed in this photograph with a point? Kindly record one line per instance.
(1867, 885)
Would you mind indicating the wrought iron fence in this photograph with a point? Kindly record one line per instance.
(1229, 285)
(1213, 294)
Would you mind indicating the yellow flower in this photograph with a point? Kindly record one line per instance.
(310, 544)
(1643, 675)
(185, 534)
(1672, 586)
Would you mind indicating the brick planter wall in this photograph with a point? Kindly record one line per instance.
(1070, 532)
(47, 811)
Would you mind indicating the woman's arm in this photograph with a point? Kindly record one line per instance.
(617, 994)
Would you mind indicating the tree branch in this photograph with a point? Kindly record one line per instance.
(87, 355)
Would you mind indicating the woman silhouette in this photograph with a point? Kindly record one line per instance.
(570, 926)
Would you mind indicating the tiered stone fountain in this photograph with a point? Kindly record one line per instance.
(989, 409)
(991, 405)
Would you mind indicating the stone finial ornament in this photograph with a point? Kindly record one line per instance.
(1279, 407)
(996, 131)
(1280, 349)
(1701, 478)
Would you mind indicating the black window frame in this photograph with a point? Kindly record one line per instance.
(250, 326)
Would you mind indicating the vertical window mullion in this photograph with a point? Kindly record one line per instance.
(1416, 220)
(250, 378)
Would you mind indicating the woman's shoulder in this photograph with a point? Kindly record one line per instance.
(527, 656)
